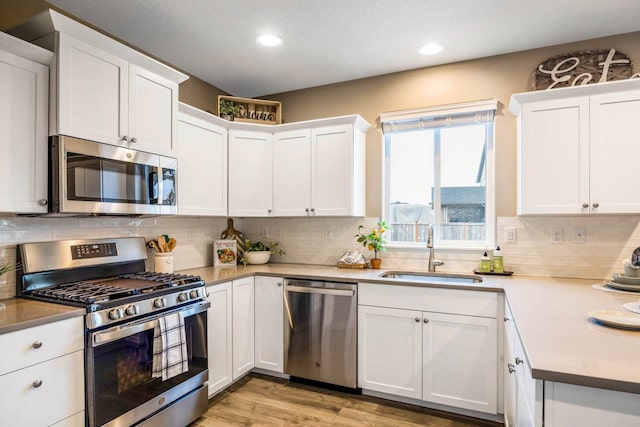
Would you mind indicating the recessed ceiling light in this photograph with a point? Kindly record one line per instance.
(431, 49)
(269, 40)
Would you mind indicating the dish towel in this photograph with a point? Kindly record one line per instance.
(170, 356)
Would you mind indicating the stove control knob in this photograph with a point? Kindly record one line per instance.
(116, 314)
(132, 309)
(159, 303)
(183, 297)
(194, 293)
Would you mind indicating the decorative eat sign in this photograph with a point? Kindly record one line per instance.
(582, 68)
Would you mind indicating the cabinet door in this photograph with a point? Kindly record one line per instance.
(553, 157)
(23, 121)
(93, 92)
(269, 323)
(243, 326)
(390, 351)
(460, 361)
(292, 173)
(153, 110)
(615, 152)
(59, 395)
(250, 173)
(332, 170)
(219, 337)
(201, 148)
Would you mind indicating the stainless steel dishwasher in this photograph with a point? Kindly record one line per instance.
(320, 341)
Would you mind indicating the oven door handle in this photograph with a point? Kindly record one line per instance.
(123, 331)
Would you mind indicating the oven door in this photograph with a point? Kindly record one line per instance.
(120, 388)
(91, 177)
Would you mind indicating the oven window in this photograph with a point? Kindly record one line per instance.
(121, 371)
(104, 180)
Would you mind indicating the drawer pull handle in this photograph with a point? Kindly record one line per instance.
(36, 383)
(511, 367)
(37, 344)
(519, 361)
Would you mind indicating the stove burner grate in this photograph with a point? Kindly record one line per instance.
(84, 292)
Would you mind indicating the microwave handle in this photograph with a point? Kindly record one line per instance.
(153, 181)
(160, 174)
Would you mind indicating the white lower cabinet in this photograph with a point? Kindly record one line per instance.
(447, 357)
(219, 340)
(243, 326)
(269, 323)
(43, 383)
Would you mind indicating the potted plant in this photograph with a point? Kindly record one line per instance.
(258, 252)
(229, 109)
(373, 241)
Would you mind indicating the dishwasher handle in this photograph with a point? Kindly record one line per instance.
(320, 291)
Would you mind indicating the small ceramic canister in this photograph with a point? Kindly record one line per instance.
(163, 262)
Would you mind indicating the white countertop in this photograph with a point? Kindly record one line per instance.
(551, 314)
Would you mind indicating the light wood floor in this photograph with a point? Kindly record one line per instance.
(258, 400)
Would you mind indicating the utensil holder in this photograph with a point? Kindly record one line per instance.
(163, 262)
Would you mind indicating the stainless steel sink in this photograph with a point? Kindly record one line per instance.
(424, 277)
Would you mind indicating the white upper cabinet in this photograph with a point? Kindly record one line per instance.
(319, 169)
(103, 90)
(250, 173)
(24, 83)
(576, 150)
(292, 173)
(201, 147)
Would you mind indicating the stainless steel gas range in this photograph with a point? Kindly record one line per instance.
(126, 307)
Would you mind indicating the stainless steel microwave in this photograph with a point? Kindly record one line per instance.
(87, 177)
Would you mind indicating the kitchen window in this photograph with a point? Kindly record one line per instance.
(438, 170)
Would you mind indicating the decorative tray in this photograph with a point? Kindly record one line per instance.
(493, 273)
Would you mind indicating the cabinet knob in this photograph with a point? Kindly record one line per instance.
(125, 138)
(279, 283)
(585, 205)
(511, 367)
(134, 140)
(306, 210)
(37, 344)
(596, 205)
(269, 211)
(36, 383)
(313, 210)
(43, 202)
(506, 319)
(519, 361)
(426, 320)
(417, 320)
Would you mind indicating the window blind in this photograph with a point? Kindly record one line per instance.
(440, 116)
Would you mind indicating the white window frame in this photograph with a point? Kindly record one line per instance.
(391, 120)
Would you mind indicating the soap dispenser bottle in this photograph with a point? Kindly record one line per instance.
(498, 264)
(485, 263)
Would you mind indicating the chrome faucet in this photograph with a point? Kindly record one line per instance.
(433, 263)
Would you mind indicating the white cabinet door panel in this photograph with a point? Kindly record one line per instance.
(292, 173)
(615, 152)
(332, 170)
(460, 354)
(153, 109)
(269, 323)
(243, 326)
(23, 121)
(390, 351)
(93, 92)
(250, 173)
(201, 148)
(219, 337)
(554, 157)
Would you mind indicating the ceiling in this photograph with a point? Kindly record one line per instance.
(328, 41)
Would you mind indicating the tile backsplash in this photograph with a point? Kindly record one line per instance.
(188, 253)
(609, 240)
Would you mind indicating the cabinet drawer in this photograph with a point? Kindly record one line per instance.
(439, 300)
(22, 348)
(60, 395)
